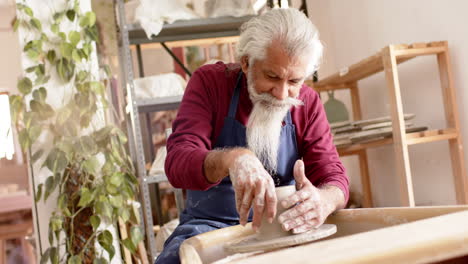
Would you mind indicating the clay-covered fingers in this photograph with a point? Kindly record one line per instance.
(245, 204)
(259, 204)
(297, 211)
(305, 227)
(297, 197)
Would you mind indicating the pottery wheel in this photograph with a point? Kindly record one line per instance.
(253, 243)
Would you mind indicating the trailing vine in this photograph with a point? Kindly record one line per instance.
(88, 163)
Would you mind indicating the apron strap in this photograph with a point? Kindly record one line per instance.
(288, 118)
(235, 96)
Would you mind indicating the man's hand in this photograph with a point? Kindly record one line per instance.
(312, 205)
(254, 188)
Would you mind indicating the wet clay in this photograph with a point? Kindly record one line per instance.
(272, 236)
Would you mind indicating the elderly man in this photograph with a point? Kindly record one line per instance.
(243, 129)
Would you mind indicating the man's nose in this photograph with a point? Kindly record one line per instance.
(280, 91)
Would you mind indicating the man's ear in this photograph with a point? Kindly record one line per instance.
(244, 61)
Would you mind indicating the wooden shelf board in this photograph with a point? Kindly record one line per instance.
(374, 64)
(412, 139)
(431, 136)
(193, 42)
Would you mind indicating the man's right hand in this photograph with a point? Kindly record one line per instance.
(254, 188)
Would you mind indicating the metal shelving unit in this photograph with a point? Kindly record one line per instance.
(134, 35)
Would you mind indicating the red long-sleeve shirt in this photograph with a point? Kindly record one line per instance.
(200, 120)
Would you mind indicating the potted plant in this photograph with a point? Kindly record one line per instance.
(87, 160)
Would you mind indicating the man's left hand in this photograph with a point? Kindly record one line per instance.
(311, 205)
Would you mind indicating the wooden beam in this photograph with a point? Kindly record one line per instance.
(398, 124)
(452, 119)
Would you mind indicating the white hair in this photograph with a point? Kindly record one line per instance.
(294, 31)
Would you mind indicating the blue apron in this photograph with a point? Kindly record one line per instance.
(216, 208)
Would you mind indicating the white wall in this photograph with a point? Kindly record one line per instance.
(354, 30)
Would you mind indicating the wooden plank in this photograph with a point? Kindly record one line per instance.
(399, 134)
(360, 70)
(425, 241)
(365, 179)
(417, 45)
(411, 53)
(328, 87)
(123, 236)
(437, 43)
(355, 148)
(452, 119)
(362, 155)
(193, 42)
(431, 136)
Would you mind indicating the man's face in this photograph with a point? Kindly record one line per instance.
(273, 85)
(278, 74)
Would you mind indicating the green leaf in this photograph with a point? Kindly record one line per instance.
(56, 160)
(49, 187)
(92, 33)
(124, 214)
(51, 56)
(31, 69)
(116, 201)
(136, 235)
(98, 87)
(62, 202)
(55, 28)
(54, 255)
(85, 198)
(58, 16)
(129, 245)
(86, 146)
(112, 189)
(38, 193)
(95, 221)
(36, 24)
(91, 165)
(46, 256)
(91, 18)
(74, 37)
(32, 54)
(40, 94)
(71, 15)
(62, 36)
(25, 85)
(100, 261)
(104, 209)
(28, 11)
(56, 223)
(105, 238)
(24, 139)
(37, 155)
(16, 24)
(34, 133)
(116, 179)
(65, 69)
(74, 260)
(16, 106)
(76, 56)
(66, 49)
(82, 75)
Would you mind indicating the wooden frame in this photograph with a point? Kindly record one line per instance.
(367, 235)
(387, 60)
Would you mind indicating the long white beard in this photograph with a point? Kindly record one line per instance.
(265, 123)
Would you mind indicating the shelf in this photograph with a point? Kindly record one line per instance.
(157, 178)
(190, 29)
(374, 64)
(411, 139)
(158, 104)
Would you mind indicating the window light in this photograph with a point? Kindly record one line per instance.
(7, 148)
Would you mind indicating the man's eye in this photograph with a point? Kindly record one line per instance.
(272, 77)
(294, 81)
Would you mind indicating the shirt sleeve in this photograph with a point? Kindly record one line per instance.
(190, 142)
(322, 162)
